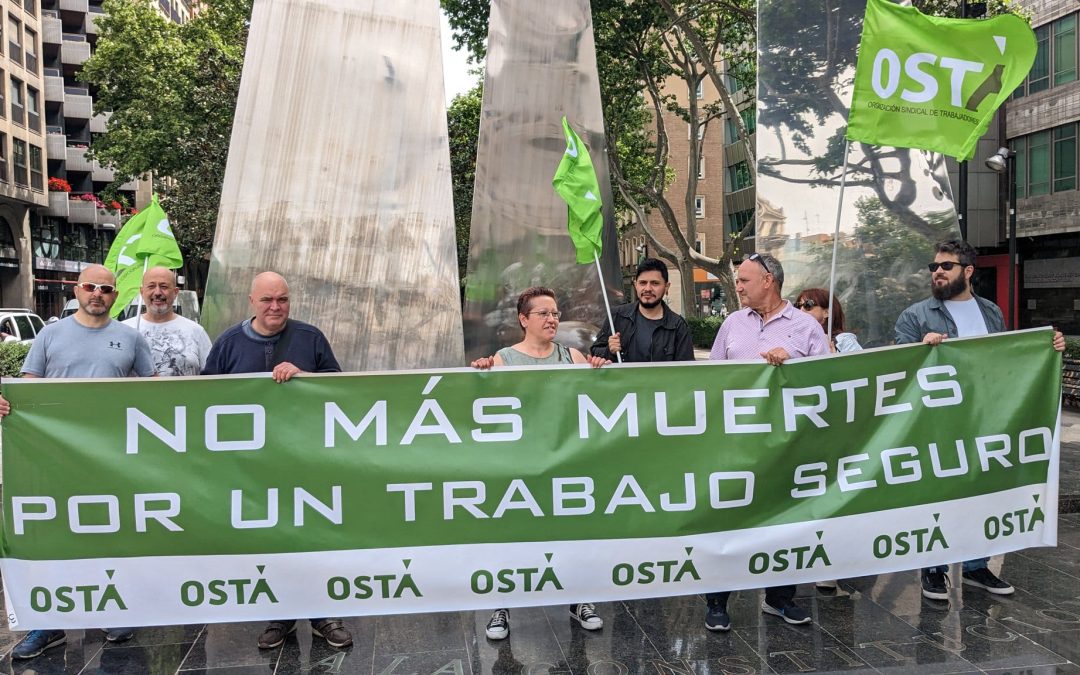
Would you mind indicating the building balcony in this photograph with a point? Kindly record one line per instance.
(100, 174)
(52, 30)
(58, 205)
(76, 161)
(78, 106)
(108, 219)
(91, 23)
(81, 6)
(130, 186)
(56, 147)
(54, 89)
(98, 123)
(74, 53)
(82, 212)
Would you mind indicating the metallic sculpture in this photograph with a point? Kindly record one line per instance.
(339, 178)
(897, 202)
(541, 65)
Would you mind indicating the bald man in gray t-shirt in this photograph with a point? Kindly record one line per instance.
(69, 349)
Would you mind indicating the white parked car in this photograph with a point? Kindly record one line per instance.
(18, 324)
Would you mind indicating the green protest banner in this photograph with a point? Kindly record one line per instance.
(934, 83)
(187, 500)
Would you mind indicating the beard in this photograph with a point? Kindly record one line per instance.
(650, 305)
(950, 290)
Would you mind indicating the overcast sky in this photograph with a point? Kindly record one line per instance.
(455, 67)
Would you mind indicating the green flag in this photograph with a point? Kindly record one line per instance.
(575, 181)
(145, 241)
(931, 83)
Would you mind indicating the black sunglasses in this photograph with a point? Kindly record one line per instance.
(806, 304)
(947, 266)
(756, 257)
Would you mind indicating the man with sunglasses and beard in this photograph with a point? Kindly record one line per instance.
(953, 310)
(86, 344)
(646, 329)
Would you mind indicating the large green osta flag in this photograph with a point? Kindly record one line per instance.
(145, 241)
(234, 498)
(575, 181)
(931, 83)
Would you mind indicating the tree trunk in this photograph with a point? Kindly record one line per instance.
(686, 282)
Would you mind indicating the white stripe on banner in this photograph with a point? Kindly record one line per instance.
(205, 589)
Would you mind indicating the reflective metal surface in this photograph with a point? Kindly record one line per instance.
(541, 65)
(339, 179)
(898, 202)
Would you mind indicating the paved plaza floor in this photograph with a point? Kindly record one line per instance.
(870, 624)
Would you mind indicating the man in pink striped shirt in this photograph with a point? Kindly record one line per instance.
(770, 328)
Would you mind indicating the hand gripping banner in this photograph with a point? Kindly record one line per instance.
(190, 500)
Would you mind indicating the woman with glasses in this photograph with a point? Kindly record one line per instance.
(814, 301)
(538, 315)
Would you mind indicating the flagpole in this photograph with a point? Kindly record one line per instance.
(836, 240)
(138, 310)
(607, 304)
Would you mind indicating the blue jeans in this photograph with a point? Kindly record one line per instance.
(968, 566)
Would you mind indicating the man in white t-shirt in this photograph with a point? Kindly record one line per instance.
(953, 310)
(179, 345)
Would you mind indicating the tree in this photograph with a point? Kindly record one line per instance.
(172, 92)
(643, 51)
(463, 122)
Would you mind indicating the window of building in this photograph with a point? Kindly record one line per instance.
(738, 221)
(738, 176)
(701, 168)
(33, 116)
(699, 207)
(700, 131)
(18, 108)
(699, 93)
(749, 119)
(15, 39)
(1039, 76)
(18, 151)
(37, 177)
(1019, 146)
(30, 48)
(30, 6)
(3, 102)
(1065, 50)
(3, 158)
(45, 237)
(1065, 157)
(1038, 152)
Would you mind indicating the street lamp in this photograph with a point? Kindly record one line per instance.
(1005, 160)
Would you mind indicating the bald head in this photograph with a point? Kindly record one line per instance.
(270, 302)
(159, 292)
(97, 274)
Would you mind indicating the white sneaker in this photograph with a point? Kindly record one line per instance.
(585, 614)
(498, 626)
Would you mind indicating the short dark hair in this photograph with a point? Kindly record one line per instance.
(652, 265)
(524, 303)
(964, 251)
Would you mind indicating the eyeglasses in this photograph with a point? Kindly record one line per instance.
(806, 305)
(756, 257)
(90, 287)
(545, 314)
(947, 266)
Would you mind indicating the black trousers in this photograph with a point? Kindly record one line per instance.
(777, 596)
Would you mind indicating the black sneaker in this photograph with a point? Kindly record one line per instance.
(988, 581)
(790, 612)
(498, 626)
(935, 585)
(36, 642)
(716, 618)
(585, 614)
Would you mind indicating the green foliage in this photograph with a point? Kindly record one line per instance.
(882, 272)
(463, 122)
(172, 92)
(1072, 348)
(12, 355)
(704, 329)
